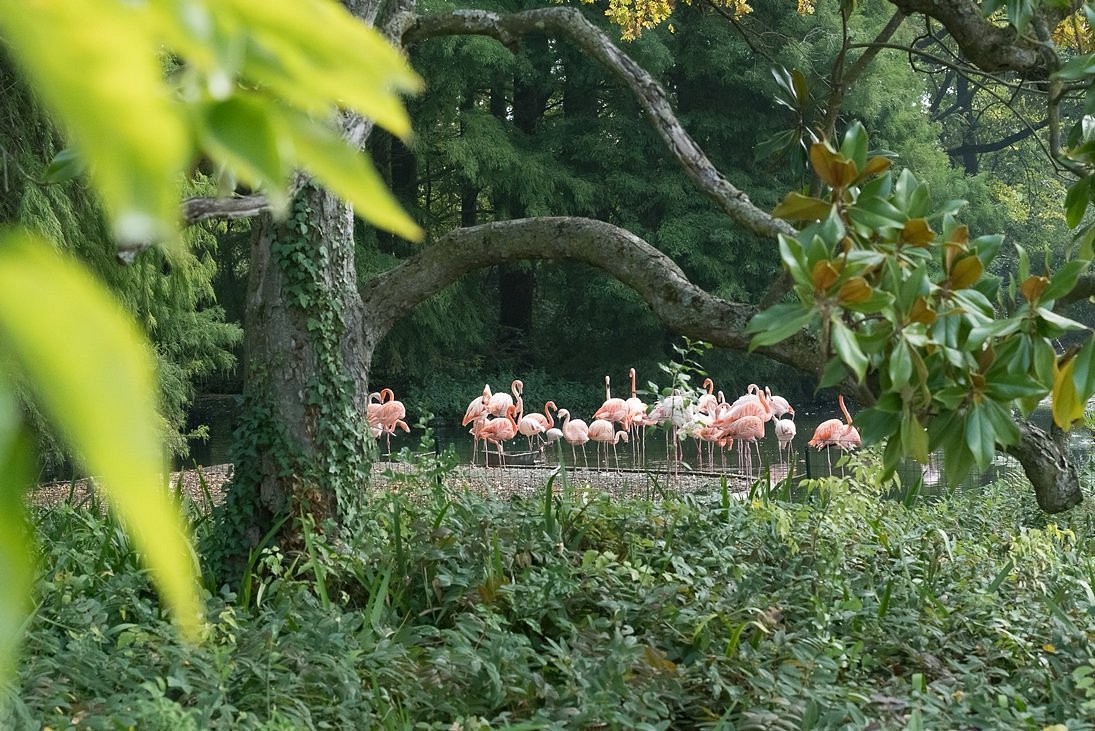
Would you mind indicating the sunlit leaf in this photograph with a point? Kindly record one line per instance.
(92, 375)
(16, 550)
(239, 131)
(966, 271)
(341, 57)
(917, 232)
(777, 323)
(348, 173)
(831, 167)
(115, 107)
(1067, 405)
(1083, 370)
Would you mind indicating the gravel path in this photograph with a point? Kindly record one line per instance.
(496, 481)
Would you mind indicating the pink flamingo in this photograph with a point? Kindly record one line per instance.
(636, 412)
(389, 413)
(707, 403)
(834, 432)
(785, 430)
(535, 424)
(575, 432)
(499, 402)
(497, 431)
(477, 406)
(743, 431)
(780, 405)
(602, 431)
(613, 409)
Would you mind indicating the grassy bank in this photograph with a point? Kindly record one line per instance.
(457, 611)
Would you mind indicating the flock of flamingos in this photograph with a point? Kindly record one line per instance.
(496, 418)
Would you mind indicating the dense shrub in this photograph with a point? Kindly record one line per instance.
(841, 608)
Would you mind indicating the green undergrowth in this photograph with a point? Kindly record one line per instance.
(569, 610)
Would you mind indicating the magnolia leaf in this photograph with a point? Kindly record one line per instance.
(1031, 287)
(1062, 282)
(798, 207)
(874, 166)
(1083, 370)
(854, 146)
(980, 436)
(65, 165)
(965, 272)
(106, 85)
(917, 232)
(1067, 404)
(847, 347)
(777, 323)
(914, 438)
(91, 372)
(348, 173)
(831, 167)
(824, 274)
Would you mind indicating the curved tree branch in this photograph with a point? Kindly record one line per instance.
(677, 302)
(570, 24)
(992, 47)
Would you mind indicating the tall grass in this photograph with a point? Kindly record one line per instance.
(571, 610)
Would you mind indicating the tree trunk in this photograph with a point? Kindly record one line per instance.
(1047, 462)
(302, 441)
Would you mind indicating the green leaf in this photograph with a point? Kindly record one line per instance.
(1056, 320)
(1064, 280)
(239, 131)
(980, 436)
(846, 346)
(104, 81)
(1003, 426)
(1083, 370)
(777, 323)
(900, 365)
(348, 173)
(312, 51)
(790, 251)
(92, 374)
(1077, 67)
(876, 424)
(1079, 194)
(854, 146)
(16, 548)
(914, 438)
(64, 166)
(992, 329)
(1012, 385)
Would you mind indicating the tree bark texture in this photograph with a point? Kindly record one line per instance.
(302, 441)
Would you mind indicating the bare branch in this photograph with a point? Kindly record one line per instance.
(656, 278)
(201, 208)
(570, 24)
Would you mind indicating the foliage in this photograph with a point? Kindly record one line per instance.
(252, 88)
(91, 374)
(898, 293)
(452, 609)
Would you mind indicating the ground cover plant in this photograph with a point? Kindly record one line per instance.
(839, 608)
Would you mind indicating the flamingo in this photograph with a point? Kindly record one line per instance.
(707, 402)
(499, 402)
(501, 430)
(389, 413)
(602, 430)
(780, 405)
(613, 409)
(836, 432)
(575, 432)
(535, 424)
(752, 405)
(372, 410)
(745, 430)
(477, 406)
(636, 411)
(785, 430)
